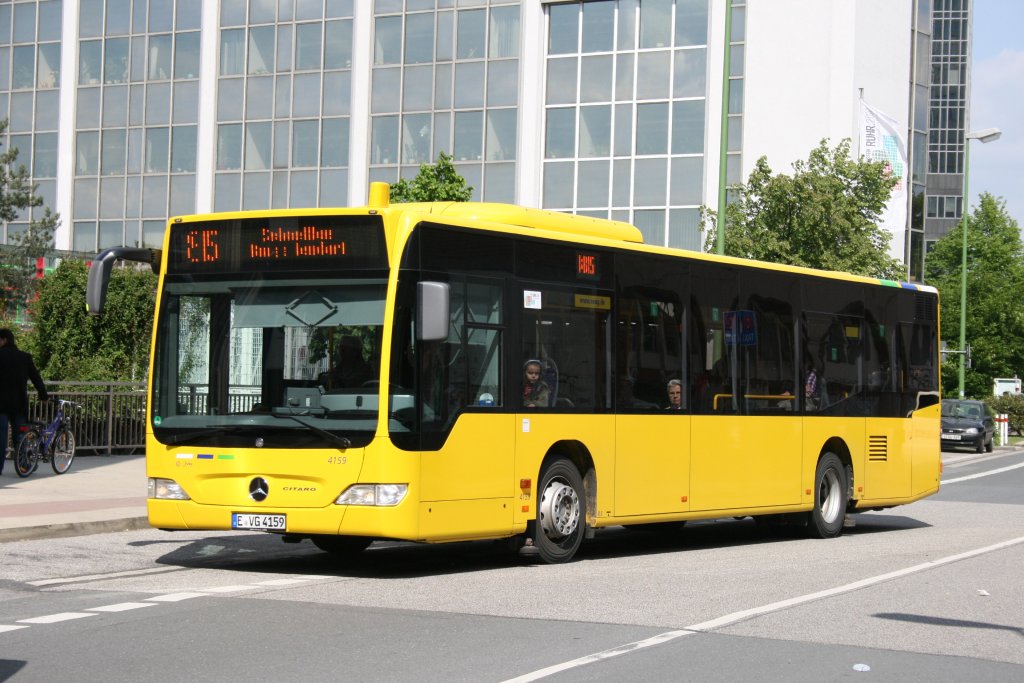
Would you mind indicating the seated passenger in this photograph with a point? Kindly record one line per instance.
(350, 369)
(812, 396)
(675, 394)
(536, 392)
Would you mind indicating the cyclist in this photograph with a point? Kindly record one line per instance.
(16, 369)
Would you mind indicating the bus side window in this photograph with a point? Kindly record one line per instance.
(567, 331)
(768, 346)
(715, 292)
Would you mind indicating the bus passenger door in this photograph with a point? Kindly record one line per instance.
(652, 422)
(746, 436)
(467, 443)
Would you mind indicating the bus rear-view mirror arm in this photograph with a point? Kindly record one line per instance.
(432, 311)
(99, 272)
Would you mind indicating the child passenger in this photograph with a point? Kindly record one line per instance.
(535, 391)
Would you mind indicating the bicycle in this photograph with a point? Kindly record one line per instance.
(53, 443)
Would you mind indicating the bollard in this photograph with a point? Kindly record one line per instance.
(1003, 426)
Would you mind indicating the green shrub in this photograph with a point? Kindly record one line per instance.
(1013, 406)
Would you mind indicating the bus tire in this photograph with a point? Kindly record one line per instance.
(342, 546)
(830, 490)
(561, 516)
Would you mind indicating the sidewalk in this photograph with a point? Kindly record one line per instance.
(98, 494)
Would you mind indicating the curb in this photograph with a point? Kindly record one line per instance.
(73, 529)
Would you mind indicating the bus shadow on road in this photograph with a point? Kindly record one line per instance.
(266, 553)
(726, 533)
(383, 560)
(874, 522)
(946, 622)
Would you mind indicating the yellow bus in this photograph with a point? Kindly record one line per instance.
(456, 371)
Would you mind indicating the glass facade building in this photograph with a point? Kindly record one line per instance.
(130, 111)
(918, 137)
(948, 115)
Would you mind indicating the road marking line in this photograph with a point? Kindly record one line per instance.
(121, 607)
(983, 474)
(606, 654)
(54, 618)
(226, 589)
(856, 585)
(176, 597)
(956, 459)
(4, 628)
(743, 615)
(112, 575)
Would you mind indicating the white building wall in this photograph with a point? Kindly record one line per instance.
(807, 62)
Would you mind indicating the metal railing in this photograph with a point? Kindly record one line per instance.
(193, 399)
(111, 417)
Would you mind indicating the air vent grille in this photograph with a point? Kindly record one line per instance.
(878, 448)
(926, 307)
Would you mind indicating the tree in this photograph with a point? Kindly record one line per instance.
(18, 257)
(1013, 407)
(438, 182)
(995, 278)
(823, 216)
(71, 345)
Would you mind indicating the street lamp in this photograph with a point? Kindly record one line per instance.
(723, 145)
(985, 135)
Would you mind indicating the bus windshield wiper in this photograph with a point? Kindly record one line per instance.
(342, 441)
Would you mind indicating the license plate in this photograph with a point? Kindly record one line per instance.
(951, 437)
(242, 520)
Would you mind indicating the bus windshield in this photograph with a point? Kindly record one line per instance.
(247, 360)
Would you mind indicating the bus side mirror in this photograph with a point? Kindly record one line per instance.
(99, 273)
(432, 311)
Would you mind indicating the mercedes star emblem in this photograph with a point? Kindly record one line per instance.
(258, 489)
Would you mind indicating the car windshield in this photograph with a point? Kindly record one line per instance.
(286, 362)
(969, 409)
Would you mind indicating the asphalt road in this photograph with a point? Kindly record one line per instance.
(931, 591)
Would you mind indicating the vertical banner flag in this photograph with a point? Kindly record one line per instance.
(881, 140)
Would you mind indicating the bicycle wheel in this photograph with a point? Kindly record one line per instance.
(26, 458)
(63, 451)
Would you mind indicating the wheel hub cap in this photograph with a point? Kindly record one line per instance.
(559, 510)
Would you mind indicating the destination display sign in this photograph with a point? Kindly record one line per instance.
(278, 243)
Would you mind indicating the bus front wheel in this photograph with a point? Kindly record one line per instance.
(830, 490)
(561, 517)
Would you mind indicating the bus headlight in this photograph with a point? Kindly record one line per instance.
(166, 489)
(381, 495)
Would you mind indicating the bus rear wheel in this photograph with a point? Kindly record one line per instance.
(830, 491)
(342, 546)
(561, 517)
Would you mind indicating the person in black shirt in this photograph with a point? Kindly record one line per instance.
(16, 369)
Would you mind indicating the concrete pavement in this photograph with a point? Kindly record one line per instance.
(98, 494)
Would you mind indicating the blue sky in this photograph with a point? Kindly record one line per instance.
(997, 101)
